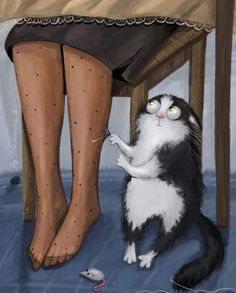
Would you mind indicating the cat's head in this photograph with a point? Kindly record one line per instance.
(169, 117)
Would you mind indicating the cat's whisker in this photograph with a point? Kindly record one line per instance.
(134, 127)
(196, 135)
(135, 117)
(195, 132)
(193, 140)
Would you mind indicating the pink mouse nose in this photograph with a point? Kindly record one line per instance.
(160, 115)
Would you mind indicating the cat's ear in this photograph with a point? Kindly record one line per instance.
(193, 119)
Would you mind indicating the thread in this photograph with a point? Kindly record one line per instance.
(231, 290)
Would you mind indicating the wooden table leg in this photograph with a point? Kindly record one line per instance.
(139, 98)
(224, 27)
(29, 183)
(197, 77)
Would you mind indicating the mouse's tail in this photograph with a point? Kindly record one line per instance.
(201, 268)
(98, 287)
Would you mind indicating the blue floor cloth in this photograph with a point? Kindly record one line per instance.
(103, 247)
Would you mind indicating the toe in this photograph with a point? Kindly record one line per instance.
(53, 261)
(46, 262)
(35, 263)
(50, 261)
(69, 256)
(61, 259)
(142, 264)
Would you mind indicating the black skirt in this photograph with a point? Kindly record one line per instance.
(125, 50)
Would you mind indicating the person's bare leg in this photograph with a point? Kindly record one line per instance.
(39, 73)
(88, 83)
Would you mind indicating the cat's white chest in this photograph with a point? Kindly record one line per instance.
(148, 198)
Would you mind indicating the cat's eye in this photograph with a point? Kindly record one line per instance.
(153, 106)
(173, 113)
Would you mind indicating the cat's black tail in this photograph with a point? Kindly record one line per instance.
(201, 268)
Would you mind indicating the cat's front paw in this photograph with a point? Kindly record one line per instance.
(146, 259)
(114, 139)
(122, 162)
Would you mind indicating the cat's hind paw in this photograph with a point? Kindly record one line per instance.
(146, 259)
(130, 259)
(130, 255)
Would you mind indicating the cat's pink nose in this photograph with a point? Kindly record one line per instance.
(160, 115)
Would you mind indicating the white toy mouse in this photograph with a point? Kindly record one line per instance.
(96, 276)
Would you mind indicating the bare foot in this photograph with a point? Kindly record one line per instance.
(80, 217)
(49, 216)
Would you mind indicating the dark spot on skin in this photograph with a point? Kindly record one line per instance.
(54, 105)
(90, 69)
(32, 248)
(101, 76)
(59, 73)
(65, 248)
(35, 110)
(46, 143)
(78, 236)
(90, 128)
(81, 57)
(26, 95)
(96, 111)
(93, 162)
(42, 214)
(40, 47)
(17, 52)
(76, 205)
(90, 210)
(95, 184)
(30, 134)
(80, 184)
(72, 66)
(39, 196)
(38, 238)
(47, 184)
(54, 244)
(51, 228)
(75, 122)
(37, 74)
(74, 221)
(54, 164)
(67, 237)
(73, 175)
(78, 152)
(84, 91)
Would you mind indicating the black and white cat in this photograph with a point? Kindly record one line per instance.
(165, 182)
